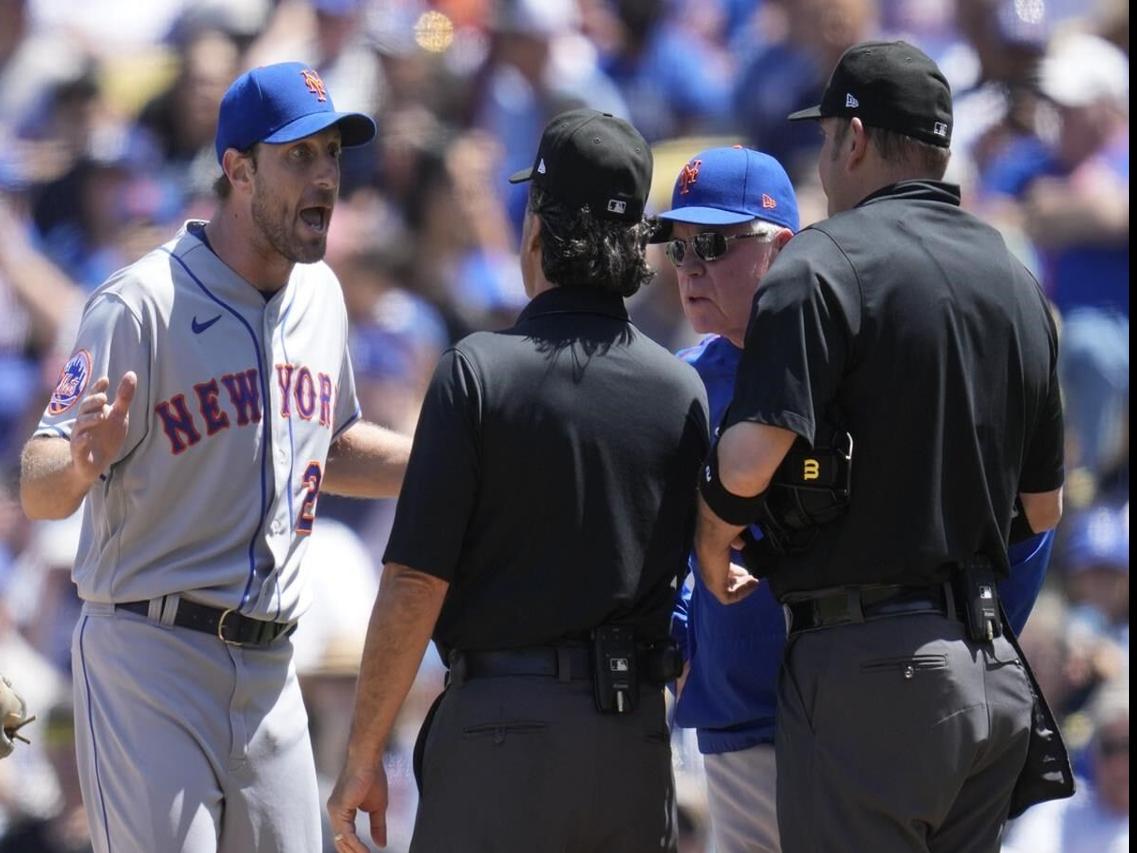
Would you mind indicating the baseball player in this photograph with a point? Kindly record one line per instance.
(235, 409)
(733, 209)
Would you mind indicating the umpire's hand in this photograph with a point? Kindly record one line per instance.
(358, 788)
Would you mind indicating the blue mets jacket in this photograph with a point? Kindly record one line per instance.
(734, 651)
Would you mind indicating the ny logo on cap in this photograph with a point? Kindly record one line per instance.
(850, 101)
(939, 129)
(688, 176)
(768, 202)
(315, 84)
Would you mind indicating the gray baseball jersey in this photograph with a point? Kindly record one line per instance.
(186, 743)
(238, 400)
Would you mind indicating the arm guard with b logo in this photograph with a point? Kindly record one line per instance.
(810, 489)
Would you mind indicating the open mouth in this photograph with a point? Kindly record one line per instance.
(316, 218)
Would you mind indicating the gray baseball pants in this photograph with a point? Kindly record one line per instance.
(742, 799)
(188, 745)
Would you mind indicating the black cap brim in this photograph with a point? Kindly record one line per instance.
(522, 176)
(811, 112)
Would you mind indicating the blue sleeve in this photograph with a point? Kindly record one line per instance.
(679, 618)
(1018, 592)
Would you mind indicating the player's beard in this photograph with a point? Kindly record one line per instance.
(278, 225)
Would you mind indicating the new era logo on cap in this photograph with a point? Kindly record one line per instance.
(541, 167)
(768, 202)
(850, 101)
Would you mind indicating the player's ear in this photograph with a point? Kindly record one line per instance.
(238, 166)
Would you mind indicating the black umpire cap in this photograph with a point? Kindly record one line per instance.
(593, 159)
(890, 85)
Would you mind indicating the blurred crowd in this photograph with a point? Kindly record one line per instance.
(107, 117)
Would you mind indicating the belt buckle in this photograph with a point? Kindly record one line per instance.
(221, 629)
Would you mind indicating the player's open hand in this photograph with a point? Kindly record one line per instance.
(358, 788)
(100, 429)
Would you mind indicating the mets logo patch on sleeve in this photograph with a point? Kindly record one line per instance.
(72, 382)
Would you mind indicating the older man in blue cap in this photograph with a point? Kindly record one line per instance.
(733, 210)
(235, 408)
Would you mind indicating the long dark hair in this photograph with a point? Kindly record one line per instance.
(582, 250)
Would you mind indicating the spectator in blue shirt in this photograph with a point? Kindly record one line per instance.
(1073, 197)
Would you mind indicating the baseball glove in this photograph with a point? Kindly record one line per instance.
(13, 717)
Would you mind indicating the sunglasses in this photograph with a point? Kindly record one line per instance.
(707, 246)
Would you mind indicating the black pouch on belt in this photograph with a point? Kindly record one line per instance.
(614, 676)
(977, 598)
(1047, 774)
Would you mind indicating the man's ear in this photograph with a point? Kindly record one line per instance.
(856, 142)
(533, 235)
(783, 236)
(238, 167)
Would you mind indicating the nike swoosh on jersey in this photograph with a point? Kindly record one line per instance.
(198, 328)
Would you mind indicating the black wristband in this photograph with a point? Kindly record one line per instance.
(731, 508)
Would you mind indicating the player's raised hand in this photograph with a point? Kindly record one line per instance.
(100, 429)
(357, 789)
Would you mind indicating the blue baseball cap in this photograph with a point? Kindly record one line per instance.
(726, 186)
(283, 103)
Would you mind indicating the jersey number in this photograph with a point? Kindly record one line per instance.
(312, 476)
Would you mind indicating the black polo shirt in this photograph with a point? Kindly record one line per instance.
(552, 478)
(909, 319)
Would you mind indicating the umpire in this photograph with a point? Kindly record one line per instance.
(540, 533)
(904, 710)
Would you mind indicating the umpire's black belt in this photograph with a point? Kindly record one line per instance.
(859, 604)
(228, 625)
(565, 663)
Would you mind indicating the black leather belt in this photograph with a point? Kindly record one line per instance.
(561, 662)
(228, 625)
(657, 663)
(849, 606)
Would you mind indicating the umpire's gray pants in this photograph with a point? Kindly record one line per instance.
(527, 764)
(898, 735)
